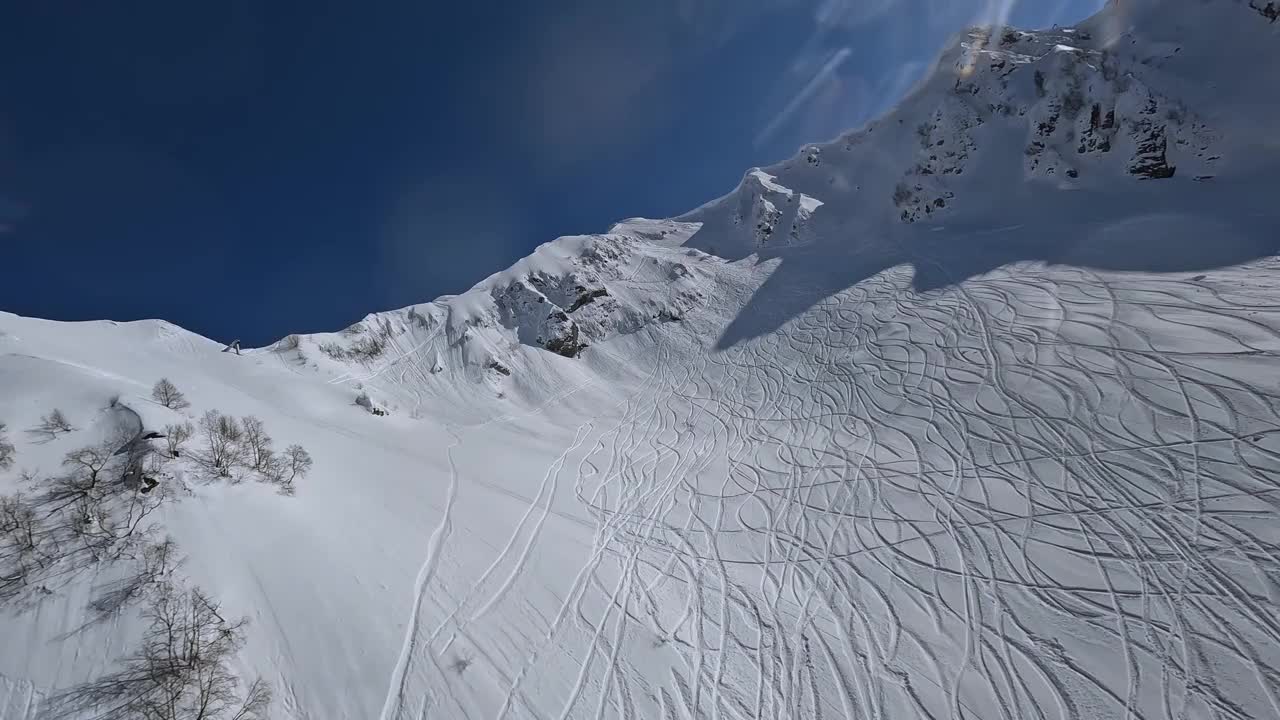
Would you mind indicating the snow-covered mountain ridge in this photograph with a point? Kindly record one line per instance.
(1086, 107)
(968, 413)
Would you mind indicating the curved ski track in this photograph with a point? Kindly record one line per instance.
(1042, 493)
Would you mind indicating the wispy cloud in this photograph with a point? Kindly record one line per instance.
(821, 77)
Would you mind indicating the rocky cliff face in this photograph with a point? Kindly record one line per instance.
(570, 294)
(1083, 108)
(1101, 106)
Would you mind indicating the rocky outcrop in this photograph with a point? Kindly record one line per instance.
(586, 297)
(775, 216)
(945, 144)
(537, 320)
(1085, 107)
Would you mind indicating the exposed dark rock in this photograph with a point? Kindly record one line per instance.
(1270, 11)
(568, 344)
(587, 298)
(1152, 160)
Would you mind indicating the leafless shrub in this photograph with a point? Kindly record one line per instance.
(96, 508)
(367, 347)
(276, 471)
(53, 424)
(222, 436)
(22, 546)
(363, 349)
(257, 444)
(333, 350)
(175, 436)
(298, 460)
(294, 463)
(106, 528)
(181, 671)
(7, 450)
(168, 395)
(87, 467)
(155, 568)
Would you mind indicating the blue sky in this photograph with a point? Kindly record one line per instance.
(250, 169)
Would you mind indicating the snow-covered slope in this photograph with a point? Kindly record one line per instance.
(972, 412)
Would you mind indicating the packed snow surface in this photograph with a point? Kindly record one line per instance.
(971, 413)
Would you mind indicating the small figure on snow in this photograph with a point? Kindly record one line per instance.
(235, 345)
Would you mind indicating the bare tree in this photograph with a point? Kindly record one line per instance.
(257, 444)
(6, 449)
(156, 568)
(54, 423)
(283, 468)
(22, 538)
(175, 436)
(297, 461)
(168, 395)
(18, 520)
(87, 473)
(182, 670)
(97, 509)
(222, 435)
(94, 508)
(276, 471)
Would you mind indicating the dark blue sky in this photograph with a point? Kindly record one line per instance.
(251, 169)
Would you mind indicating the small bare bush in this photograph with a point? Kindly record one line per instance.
(7, 451)
(53, 424)
(298, 461)
(96, 507)
(182, 671)
(168, 395)
(294, 463)
(22, 546)
(333, 350)
(156, 567)
(257, 444)
(223, 435)
(175, 436)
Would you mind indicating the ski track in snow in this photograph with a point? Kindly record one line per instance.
(943, 510)
(19, 700)
(396, 692)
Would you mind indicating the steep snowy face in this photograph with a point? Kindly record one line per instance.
(774, 216)
(1130, 95)
(1082, 102)
(1009, 119)
(569, 295)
